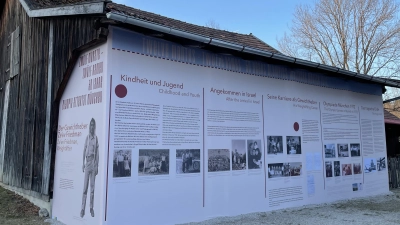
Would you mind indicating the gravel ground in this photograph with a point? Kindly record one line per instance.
(15, 210)
(381, 209)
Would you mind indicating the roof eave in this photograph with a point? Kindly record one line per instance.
(227, 45)
(65, 10)
(390, 121)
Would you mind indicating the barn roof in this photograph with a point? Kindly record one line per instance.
(232, 37)
(391, 118)
(241, 39)
(41, 4)
(240, 43)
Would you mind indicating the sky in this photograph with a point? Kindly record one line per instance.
(266, 19)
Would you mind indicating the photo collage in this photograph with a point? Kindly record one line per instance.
(372, 165)
(243, 155)
(341, 167)
(284, 169)
(276, 146)
(246, 155)
(156, 162)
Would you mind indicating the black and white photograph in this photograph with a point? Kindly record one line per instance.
(275, 145)
(346, 169)
(187, 161)
(254, 155)
(328, 169)
(343, 150)
(278, 170)
(122, 163)
(153, 162)
(369, 165)
(90, 167)
(330, 151)
(238, 157)
(219, 160)
(293, 144)
(355, 150)
(336, 168)
(357, 168)
(355, 187)
(381, 163)
(296, 168)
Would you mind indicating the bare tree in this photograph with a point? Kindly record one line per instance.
(393, 106)
(212, 24)
(357, 35)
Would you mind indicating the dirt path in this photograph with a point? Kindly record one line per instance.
(381, 209)
(15, 210)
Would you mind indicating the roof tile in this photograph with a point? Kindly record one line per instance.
(248, 40)
(391, 118)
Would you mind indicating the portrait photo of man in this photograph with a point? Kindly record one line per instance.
(90, 166)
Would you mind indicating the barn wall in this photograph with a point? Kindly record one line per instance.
(392, 132)
(24, 143)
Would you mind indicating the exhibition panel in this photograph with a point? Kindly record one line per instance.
(185, 134)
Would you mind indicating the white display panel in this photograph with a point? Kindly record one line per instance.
(309, 139)
(195, 135)
(81, 155)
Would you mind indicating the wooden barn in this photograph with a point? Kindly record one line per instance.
(392, 130)
(41, 41)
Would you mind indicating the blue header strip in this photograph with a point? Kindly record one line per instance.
(138, 43)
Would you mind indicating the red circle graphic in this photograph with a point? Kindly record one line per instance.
(121, 91)
(296, 126)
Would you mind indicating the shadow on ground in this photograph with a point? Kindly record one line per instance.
(15, 210)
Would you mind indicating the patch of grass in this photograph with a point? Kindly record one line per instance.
(15, 206)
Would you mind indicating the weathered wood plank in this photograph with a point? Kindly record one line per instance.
(49, 101)
(15, 52)
(394, 172)
(4, 128)
(390, 172)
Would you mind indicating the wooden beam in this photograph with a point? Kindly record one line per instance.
(15, 60)
(4, 127)
(391, 100)
(77, 9)
(47, 149)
